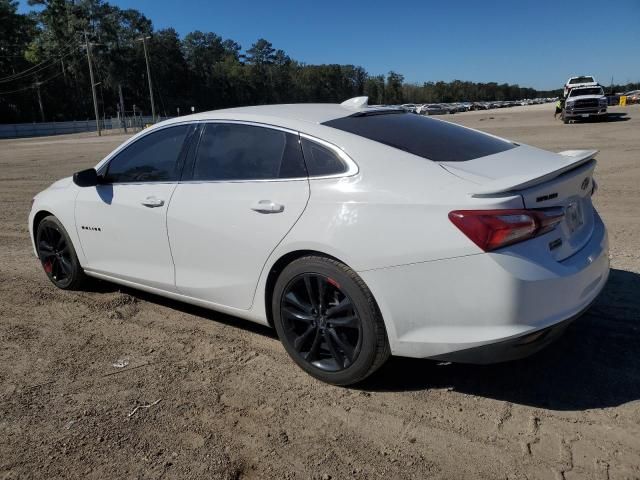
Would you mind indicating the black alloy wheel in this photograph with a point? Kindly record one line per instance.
(57, 255)
(321, 322)
(328, 320)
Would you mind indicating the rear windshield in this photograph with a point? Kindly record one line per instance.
(428, 138)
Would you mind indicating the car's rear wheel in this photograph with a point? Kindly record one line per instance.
(57, 255)
(328, 320)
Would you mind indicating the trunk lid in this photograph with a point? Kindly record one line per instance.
(544, 180)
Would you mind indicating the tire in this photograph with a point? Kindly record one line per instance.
(337, 336)
(57, 255)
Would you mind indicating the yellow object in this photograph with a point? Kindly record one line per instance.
(623, 100)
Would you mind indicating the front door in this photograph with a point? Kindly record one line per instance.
(122, 221)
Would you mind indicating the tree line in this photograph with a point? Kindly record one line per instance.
(44, 71)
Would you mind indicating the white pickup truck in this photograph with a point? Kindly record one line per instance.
(582, 81)
(585, 102)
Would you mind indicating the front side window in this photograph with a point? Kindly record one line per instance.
(245, 152)
(152, 158)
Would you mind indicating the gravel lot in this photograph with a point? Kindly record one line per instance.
(231, 403)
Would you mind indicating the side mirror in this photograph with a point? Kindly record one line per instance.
(86, 178)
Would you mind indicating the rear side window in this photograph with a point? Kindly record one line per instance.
(428, 138)
(152, 158)
(320, 160)
(247, 152)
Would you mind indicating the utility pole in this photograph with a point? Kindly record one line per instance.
(611, 87)
(93, 85)
(124, 119)
(146, 58)
(37, 85)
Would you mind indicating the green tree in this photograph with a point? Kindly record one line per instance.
(46, 48)
(393, 88)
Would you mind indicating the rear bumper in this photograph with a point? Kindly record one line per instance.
(487, 307)
(512, 349)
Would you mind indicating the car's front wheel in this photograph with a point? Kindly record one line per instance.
(57, 255)
(328, 320)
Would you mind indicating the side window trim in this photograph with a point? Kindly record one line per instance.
(352, 167)
(104, 167)
(187, 177)
(190, 165)
(191, 152)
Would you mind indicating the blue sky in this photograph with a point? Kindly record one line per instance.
(537, 44)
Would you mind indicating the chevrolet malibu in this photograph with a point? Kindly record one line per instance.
(357, 232)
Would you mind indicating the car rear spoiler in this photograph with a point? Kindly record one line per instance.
(571, 160)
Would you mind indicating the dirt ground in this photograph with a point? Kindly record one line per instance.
(230, 404)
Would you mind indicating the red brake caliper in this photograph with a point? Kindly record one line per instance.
(333, 282)
(48, 267)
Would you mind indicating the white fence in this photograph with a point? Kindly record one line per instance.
(19, 130)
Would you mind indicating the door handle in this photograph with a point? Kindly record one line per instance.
(152, 202)
(267, 206)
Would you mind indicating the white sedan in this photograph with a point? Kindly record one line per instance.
(356, 231)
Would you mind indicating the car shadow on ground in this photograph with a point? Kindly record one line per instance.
(100, 286)
(594, 365)
(617, 117)
(609, 118)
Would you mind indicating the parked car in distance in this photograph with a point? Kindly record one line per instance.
(434, 109)
(409, 107)
(633, 96)
(458, 107)
(584, 103)
(357, 232)
(480, 106)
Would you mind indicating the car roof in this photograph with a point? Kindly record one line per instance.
(284, 115)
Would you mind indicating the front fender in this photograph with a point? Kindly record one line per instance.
(59, 201)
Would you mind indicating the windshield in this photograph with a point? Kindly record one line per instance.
(575, 80)
(435, 140)
(577, 92)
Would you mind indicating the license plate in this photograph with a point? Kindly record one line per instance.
(573, 216)
(584, 115)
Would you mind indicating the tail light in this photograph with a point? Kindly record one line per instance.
(492, 229)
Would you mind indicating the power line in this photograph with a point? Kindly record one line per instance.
(32, 86)
(35, 69)
(39, 67)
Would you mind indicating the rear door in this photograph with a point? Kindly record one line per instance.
(122, 221)
(244, 189)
